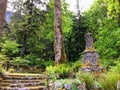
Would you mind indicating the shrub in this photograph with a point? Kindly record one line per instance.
(109, 81)
(10, 48)
(60, 71)
(1, 69)
(41, 63)
(76, 65)
(3, 62)
(19, 62)
(115, 68)
(38, 62)
(51, 72)
(88, 78)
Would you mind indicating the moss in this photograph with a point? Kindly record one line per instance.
(87, 64)
(90, 49)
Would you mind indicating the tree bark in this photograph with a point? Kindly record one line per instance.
(3, 6)
(24, 44)
(60, 56)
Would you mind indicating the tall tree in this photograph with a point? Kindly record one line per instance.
(31, 8)
(78, 8)
(3, 4)
(60, 55)
(113, 9)
(29, 4)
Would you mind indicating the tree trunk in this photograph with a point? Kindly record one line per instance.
(60, 56)
(24, 44)
(78, 8)
(3, 4)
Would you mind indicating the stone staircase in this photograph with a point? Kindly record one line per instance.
(23, 82)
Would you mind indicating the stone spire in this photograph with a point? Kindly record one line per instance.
(89, 40)
(90, 58)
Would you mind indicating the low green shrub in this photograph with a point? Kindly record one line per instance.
(76, 65)
(3, 57)
(60, 71)
(1, 69)
(38, 62)
(51, 72)
(10, 48)
(19, 62)
(3, 63)
(88, 78)
(109, 81)
(115, 68)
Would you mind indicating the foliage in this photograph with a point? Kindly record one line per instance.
(10, 48)
(11, 70)
(62, 70)
(88, 78)
(109, 81)
(3, 58)
(74, 86)
(3, 63)
(40, 27)
(59, 71)
(95, 16)
(1, 69)
(38, 62)
(108, 37)
(105, 30)
(76, 65)
(113, 9)
(76, 36)
(51, 72)
(115, 68)
(19, 62)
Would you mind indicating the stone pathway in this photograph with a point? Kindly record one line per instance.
(23, 82)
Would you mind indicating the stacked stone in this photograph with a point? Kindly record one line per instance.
(90, 58)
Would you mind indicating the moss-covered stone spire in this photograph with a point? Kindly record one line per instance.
(90, 58)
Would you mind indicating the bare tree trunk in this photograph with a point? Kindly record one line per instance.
(60, 56)
(3, 6)
(24, 44)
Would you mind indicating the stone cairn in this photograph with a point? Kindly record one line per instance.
(90, 58)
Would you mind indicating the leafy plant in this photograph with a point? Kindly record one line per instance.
(19, 62)
(3, 57)
(11, 70)
(59, 71)
(76, 65)
(62, 70)
(1, 69)
(115, 68)
(51, 72)
(88, 78)
(10, 48)
(109, 81)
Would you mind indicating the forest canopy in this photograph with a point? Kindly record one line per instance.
(29, 37)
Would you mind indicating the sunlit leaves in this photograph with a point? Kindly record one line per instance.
(113, 8)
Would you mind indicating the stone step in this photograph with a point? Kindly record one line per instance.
(25, 88)
(24, 75)
(22, 84)
(18, 77)
(23, 81)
